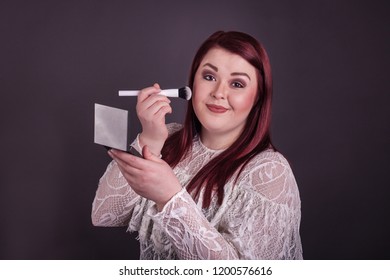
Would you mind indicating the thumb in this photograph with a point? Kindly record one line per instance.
(147, 154)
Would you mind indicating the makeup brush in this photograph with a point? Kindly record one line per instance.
(184, 92)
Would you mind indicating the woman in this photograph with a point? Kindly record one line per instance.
(214, 188)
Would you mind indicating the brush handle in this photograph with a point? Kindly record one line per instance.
(166, 92)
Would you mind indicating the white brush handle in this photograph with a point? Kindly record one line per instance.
(166, 92)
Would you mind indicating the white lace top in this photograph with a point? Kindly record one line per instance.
(258, 219)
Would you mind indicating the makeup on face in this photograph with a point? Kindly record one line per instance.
(216, 108)
(233, 74)
(225, 89)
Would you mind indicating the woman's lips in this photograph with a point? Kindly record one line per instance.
(216, 108)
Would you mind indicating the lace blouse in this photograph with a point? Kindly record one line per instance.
(258, 219)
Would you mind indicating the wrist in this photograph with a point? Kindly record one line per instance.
(155, 146)
(173, 193)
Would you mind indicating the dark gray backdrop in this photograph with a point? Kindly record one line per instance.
(331, 118)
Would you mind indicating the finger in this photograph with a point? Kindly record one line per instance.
(151, 105)
(123, 159)
(163, 111)
(146, 92)
(151, 100)
(155, 113)
(130, 173)
(128, 161)
(157, 107)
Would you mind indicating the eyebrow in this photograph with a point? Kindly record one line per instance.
(240, 74)
(215, 68)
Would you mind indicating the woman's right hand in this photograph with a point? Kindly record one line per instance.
(151, 110)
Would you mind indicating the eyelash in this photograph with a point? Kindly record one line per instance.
(209, 77)
(240, 84)
(235, 84)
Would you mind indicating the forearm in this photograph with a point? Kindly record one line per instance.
(114, 200)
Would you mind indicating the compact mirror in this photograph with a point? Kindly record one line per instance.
(111, 127)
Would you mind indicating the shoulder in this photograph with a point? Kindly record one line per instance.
(270, 175)
(268, 158)
(174, 127)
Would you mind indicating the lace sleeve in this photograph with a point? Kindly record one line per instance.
(260, 222)
(115, 200)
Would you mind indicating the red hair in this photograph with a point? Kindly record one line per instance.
(255, 137)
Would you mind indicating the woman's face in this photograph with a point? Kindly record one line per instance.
(225, 89)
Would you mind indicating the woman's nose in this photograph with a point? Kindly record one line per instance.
(220, 91)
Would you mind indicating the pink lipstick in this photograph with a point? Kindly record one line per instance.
(216, 108)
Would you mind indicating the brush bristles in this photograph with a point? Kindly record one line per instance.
(185, 93)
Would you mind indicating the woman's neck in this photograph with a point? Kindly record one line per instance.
(215, 141)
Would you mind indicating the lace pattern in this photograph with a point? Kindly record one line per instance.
(114, 200)
(259, 218)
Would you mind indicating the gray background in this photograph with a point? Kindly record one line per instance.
(331, 119)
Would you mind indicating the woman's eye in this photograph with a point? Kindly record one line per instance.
(238, 85)
(209, 77)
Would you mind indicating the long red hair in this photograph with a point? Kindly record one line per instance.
(255, 137)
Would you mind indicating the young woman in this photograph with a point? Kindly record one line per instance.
(215, 187)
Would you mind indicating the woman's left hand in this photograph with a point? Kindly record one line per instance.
(150, 177)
